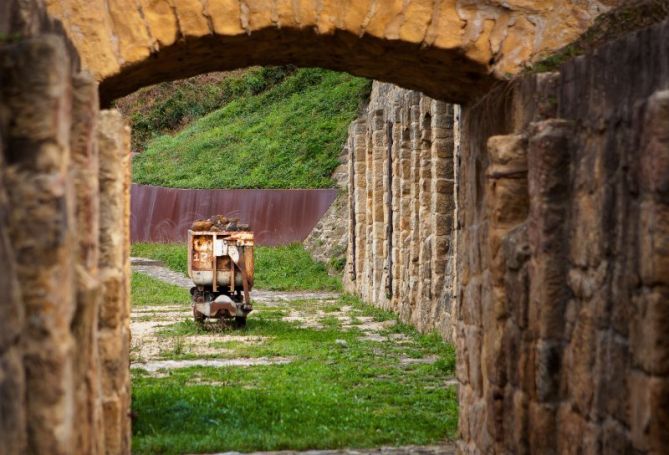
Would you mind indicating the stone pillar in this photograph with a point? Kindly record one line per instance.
(13, 420)
(88, 417)
(396, 208)
(349, 275)
(442, 189)
(413, 99)
(388, 216)
(443, 208)
(507, 207)
(368, 283)
(406, 188)
(114, 332)
(649, 344)
(360, 196)
(471, 423)
(425, 217)
(378, 136)
(36, 92)
(549, 198)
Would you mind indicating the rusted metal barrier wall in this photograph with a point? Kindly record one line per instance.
(276, 216)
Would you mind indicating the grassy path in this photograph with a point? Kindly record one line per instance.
(312, 370)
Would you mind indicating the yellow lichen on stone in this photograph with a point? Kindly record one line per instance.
(284, 13)
(89, 27)
(448, 27)
(480, 50)
(416, 21)
(354, 16)
(225, 15)
(130, 30)
(328, 15)
(161, 21)
(501, 36)
(307, 13)
(383, 17)
(500, 31)
(560, 27)
(516, 48)
(192, 21)
(260, 14)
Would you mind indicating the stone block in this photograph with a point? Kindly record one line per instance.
(654, 167)
(654, 242)
(649, 412)
(516, 422)
(111, 295)
(132, 38)
(13, 421)
(649, 342)
(548, 371)
(542, 428)
(579, 360)
(494, 399)
(615, 438)
(161, 20)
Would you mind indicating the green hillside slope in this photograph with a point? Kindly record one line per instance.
(170, 106)
(288, 136)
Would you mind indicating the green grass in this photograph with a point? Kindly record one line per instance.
(167, 107)
(150, 291)
(291, 268)
(282, 268)
(288, 136)
(340, 390)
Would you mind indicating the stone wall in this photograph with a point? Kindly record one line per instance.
(562, 240)
(64, 379)
(328, 240)
(401, 206)
(451, 49)
(563, 276)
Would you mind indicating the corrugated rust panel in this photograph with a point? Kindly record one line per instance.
(277, 217)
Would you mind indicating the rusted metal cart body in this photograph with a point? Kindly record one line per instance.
(220, 263)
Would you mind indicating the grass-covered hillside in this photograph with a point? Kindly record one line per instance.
(277, 128)
(168, 107)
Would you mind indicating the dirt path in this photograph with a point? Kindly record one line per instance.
(157, 270)
(154, 353)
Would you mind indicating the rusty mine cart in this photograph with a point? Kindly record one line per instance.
(220, 263)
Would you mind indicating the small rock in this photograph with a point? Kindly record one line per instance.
(342, 343)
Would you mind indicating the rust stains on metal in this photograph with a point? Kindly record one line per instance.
(277, 216)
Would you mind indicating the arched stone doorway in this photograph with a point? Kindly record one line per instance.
(451, 52)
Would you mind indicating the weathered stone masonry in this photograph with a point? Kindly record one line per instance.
(401, 206)
(64, 336)
(563, 269)
(561, 291)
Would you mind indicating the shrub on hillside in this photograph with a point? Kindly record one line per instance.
(169, 106)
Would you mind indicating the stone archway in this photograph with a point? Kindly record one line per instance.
(450, 50)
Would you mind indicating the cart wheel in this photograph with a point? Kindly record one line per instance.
(198, 317)
(240, 322)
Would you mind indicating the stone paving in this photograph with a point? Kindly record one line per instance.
(157, 270)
